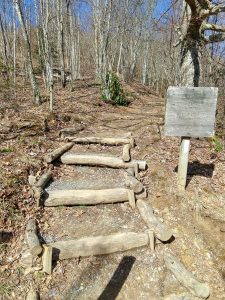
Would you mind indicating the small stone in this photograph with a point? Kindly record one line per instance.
(26, 259)
(32, 180)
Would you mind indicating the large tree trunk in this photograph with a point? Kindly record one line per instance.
(190, 60)
(47, 59)
(61, 42)
(190, 63)
(36, 93)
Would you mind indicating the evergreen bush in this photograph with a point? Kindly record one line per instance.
(112, 90)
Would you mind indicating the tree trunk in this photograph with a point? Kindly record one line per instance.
(190, 55)
(190, 63)
(36, 93)
(61, 42)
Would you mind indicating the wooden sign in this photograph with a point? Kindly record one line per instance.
(190, 111)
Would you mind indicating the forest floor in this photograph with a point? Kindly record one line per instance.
(197, 217)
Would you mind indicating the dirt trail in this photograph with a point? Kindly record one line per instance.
(138, 274)
(197, 218)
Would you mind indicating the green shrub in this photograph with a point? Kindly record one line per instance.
(112, 90)
(6, 150)
(217, 145)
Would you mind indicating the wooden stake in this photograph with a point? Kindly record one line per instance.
(131, 198)
(47, 259)
(151, 240)
(126, 153)
(183, 163)
(133, 184)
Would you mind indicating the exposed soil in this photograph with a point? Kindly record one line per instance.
(196, 217)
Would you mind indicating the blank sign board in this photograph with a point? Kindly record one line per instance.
(190, 111)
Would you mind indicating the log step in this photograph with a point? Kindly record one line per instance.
(86, 197)
(102, 140)
(99, 245)
(94, 159)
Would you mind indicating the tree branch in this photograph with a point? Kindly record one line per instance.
(213, 27)
(206, 4)
(215, 38)
(217, 9)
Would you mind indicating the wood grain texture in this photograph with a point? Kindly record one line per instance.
(185, 277)
(50, 157)
(190, 111)
(100, 140)
(162, 232)
(47, 259)
(100, 159)
(32, 238)
(126, 153)
(44, 179)
(99, 245)
(86, 197)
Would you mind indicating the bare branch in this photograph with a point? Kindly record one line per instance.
(217, 9)
(213, 27)
(215, 38)
(206, 4)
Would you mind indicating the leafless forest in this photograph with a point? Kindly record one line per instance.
(147, 41)
(89, 204)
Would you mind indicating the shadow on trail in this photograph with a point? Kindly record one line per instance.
(196, 168)
(118, 279)
(5, 236)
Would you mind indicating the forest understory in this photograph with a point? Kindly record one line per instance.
(196, 217)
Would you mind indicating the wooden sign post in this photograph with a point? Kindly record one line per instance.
(190, 112)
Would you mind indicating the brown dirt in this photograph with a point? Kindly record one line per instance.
(197, 217)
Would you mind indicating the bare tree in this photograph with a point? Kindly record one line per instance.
(44, 13)
(61, 41)
(197, 31)
(36, 93)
